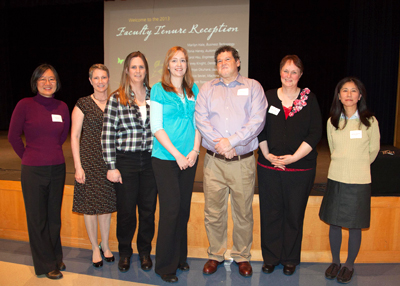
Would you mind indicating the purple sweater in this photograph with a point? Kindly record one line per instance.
(45, 123)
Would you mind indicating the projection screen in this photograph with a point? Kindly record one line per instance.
(152, 27)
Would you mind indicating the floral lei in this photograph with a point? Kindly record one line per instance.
(298, 104)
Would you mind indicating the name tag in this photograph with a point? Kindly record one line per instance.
(355, 134)
(273, 110)
(243, 92)
(56, 118)
(148, 102)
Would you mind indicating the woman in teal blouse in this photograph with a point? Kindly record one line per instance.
(175, 151)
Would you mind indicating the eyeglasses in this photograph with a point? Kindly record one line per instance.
(44, 80)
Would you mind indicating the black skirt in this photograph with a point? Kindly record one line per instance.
(346, 205)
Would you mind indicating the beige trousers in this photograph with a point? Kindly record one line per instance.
(222, 178)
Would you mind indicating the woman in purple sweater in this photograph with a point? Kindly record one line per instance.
(45, 123)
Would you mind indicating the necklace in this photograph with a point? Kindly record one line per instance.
(101, 100)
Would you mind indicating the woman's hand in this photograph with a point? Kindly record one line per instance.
(80, 176)
(114, 176)
(182, 161)
(276, 161)
(287, 159)
(192, 158)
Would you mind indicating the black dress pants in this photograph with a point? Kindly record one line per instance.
(43, 188)
(175, 188)
(283, 200)
(139, 189)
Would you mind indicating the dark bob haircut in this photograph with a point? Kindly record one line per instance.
(223, 49)
(38, 72)
(337, 107)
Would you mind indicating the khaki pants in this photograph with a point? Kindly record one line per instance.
(221, 178)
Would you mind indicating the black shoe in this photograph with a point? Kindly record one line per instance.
(345, 275)
(124, 264)
(289, 269)
(332, 271)
(171, 278)
(55, 274)
(145, 262)
(184, 266)
(108, 259)
(61, 266)
(268, 268)
(98, 264)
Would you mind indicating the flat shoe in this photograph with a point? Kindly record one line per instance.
(55, 274)
(344, 275)
(170, 278)
(332, 271)
(124, 264)
(108, 259)
(289, 269)
(145, 262)
(268, 268)
(184, 266)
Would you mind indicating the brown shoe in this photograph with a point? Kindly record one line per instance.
(245, 268)
(211, 266)
(55, 274)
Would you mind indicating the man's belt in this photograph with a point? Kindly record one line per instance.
(235, 158)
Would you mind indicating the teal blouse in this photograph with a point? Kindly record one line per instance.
(177, 118)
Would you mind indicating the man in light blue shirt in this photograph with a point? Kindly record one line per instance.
(230, 113)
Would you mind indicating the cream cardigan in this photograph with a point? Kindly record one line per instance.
(352, 153)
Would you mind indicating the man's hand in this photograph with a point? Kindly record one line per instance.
(230, 154)
(222, 146)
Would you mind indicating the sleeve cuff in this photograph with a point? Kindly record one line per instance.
(155, 129)
(111, 166)
(234, 140)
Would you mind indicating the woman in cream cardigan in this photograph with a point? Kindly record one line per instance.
(353, 137)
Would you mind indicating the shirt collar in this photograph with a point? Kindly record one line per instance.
(237, 81)
(354, 116)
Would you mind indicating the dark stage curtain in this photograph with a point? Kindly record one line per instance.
(65, 34)
(374, 57)
(316, 31)
(6, 98)
(333, 38)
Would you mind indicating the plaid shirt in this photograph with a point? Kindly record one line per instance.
(123, 129)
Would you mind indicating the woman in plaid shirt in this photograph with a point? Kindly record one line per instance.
(127, 144)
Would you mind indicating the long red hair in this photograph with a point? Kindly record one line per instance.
(188, 80)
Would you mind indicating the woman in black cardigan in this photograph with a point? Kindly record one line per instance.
(286, 166)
